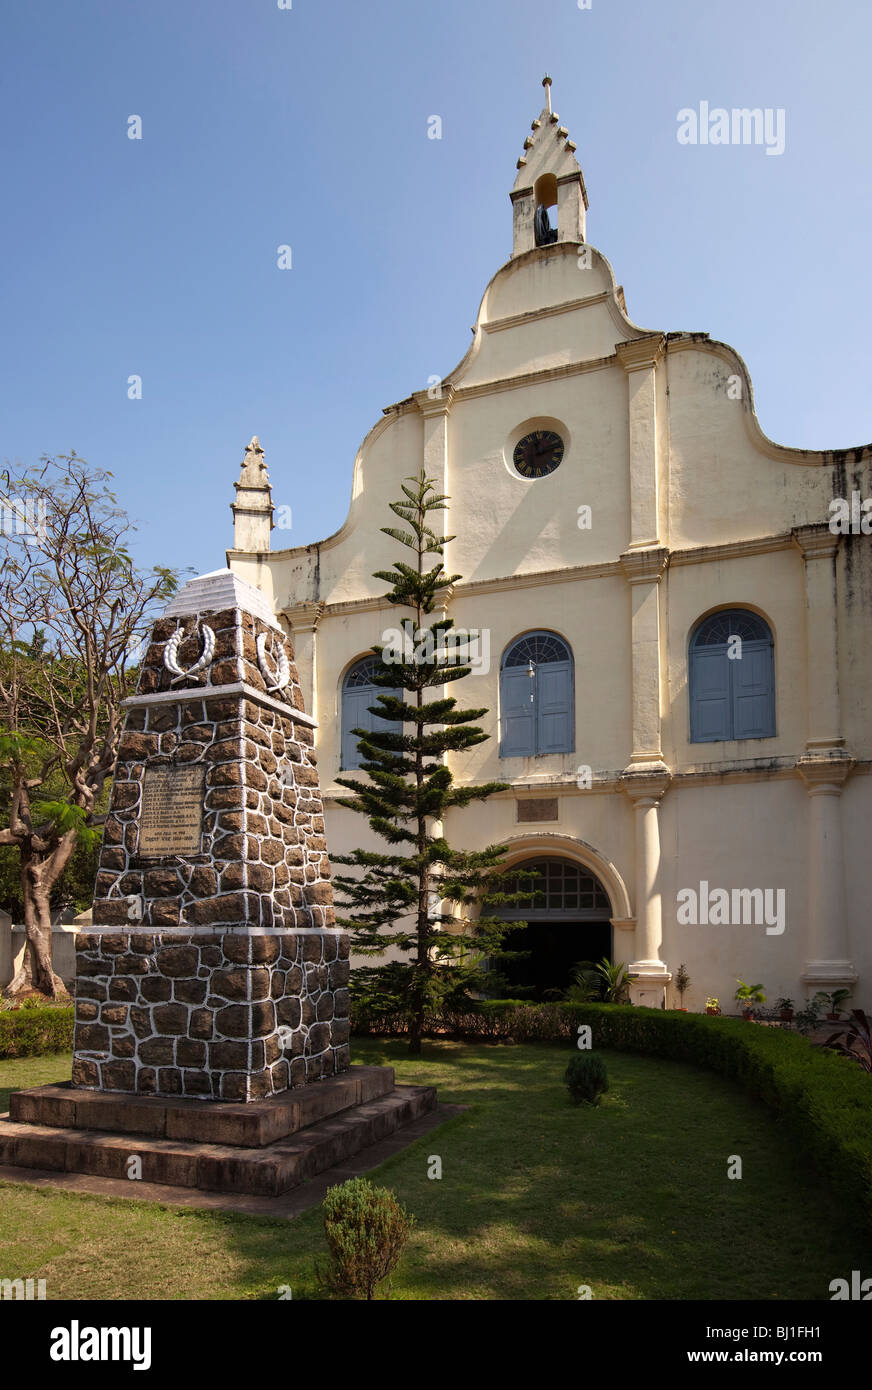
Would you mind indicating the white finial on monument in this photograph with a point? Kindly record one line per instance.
(546, 83)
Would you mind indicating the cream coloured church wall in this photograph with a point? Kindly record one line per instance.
(593, 617)
(542, 279)
(856, 804)
(506, 524)
(773, 585)
(722, 486)
(855, 647)
(736, 835)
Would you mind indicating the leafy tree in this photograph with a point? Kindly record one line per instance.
(73, 609)
(400, 898)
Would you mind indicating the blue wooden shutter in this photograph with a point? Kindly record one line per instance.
(517, 711)
(555, 732)
(710, 694)
(354, 716)
(753, 692)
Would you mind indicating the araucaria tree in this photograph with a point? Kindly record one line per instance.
(418, 898)
(73, 607)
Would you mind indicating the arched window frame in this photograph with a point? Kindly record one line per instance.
(354, 714)
(549, 727)
(729, 701)
(568, 891)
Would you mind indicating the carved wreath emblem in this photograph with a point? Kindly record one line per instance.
(280, 678)
(171, 653)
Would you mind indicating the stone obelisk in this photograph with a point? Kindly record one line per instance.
(214, 968)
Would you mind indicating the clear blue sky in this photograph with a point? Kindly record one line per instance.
(308, 127)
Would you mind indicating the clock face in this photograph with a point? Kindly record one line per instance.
(538, 454)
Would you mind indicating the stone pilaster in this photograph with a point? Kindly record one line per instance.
(819, 548)
(639, 358)
(304, 619)
(644, 570)
(828, 965)
(651, 975)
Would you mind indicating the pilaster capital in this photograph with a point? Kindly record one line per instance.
(439, 404)
(645, 784)
(304, 617)
(817, 541)
(646, 565)
(638, 353)
(825, 773)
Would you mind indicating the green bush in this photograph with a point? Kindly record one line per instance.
(366, 1230)
(586, 1077)
(28, 1032)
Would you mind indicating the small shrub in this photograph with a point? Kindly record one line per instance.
(587, 1078)
(366, 1230)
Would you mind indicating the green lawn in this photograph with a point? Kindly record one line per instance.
(537, 1197)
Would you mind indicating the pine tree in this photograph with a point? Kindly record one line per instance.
(396, 898)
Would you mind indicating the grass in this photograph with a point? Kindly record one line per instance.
(537, 1197)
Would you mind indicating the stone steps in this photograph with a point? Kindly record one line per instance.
(251, 1125)
(267, 1170)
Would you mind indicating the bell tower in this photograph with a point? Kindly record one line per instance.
(549, 176)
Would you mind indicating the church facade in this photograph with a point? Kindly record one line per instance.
(672, 617)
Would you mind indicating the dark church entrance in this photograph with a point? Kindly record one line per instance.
(568, 924)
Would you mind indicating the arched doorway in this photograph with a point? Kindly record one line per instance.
(568, 921)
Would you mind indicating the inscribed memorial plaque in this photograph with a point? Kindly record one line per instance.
(172, 810)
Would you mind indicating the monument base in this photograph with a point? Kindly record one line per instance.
(264, 1148)
(221, 1013)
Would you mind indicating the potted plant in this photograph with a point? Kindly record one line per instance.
(835, 1002)
(682, 983)
(747, 996)
(855, 1039)
(712, 1004)
(785, 1010)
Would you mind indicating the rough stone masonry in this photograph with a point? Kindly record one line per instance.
(214, 968)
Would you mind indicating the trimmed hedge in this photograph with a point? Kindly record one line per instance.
(823, 1098)
(30, 1032)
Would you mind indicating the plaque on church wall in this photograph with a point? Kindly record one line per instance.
(538, 808)
(171, 821)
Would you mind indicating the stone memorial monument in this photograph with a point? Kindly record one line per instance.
(212, 987)
(216, 969)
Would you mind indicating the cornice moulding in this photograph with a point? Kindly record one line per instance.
(645, 566)
(218, 692)
(566, 306)
(637, 354)
(816, 541)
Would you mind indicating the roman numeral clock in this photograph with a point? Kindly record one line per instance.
(538, 453)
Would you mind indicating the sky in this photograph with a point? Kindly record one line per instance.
(265, 125)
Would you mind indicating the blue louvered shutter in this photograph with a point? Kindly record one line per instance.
(518, 713)
(354, 716)
(709, 694)
(753, 692)
(554, 708)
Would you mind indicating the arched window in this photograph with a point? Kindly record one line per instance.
(731, 678)
(561, 889)
(358, 693)
(536, 697)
